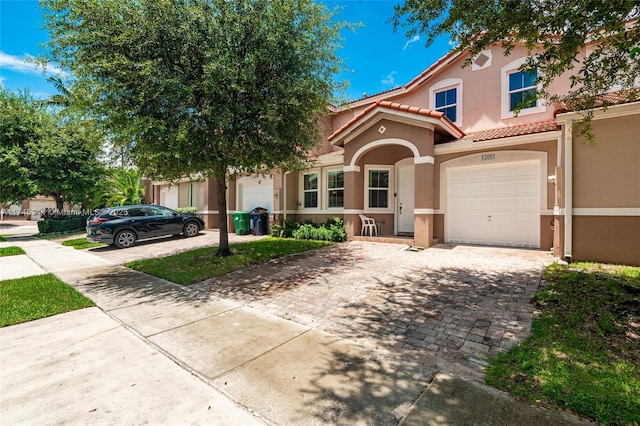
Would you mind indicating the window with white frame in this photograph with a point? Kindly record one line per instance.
(192, 194)
(446, 96)
(335, 189)
(447, 102)
(520, 90)
(310, 190)
(523, 92)
(378, 188)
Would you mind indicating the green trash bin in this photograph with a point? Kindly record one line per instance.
(241, 221)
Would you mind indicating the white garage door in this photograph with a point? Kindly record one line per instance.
(37, 208)
(495, 205)
(255, 191)
(169, 197)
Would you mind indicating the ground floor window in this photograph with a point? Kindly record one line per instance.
(378, 189)
(192, 194)
(310, 181)
(335, 188)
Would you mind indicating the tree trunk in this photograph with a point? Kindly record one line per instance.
(223, 246)
(59, 203)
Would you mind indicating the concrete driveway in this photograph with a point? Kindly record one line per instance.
(448, 307)
(12, 226)
(164, 246)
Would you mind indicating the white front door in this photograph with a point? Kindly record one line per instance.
(406, 198)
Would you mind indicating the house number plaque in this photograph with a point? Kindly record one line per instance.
(488, 157)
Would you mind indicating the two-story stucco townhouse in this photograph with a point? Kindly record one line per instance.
(446, 159)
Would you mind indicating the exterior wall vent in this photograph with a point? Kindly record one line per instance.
(482, 60)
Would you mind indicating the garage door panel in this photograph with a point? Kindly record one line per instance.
(502, 188)
(526, 203)
(497, 204)
(255, 191)
(500, 204)
(479, 189)
(458, 191)
(527, 170)
(527, 188)
(499, 172)
(478, 204)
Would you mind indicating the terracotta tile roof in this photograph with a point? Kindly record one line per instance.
(506, 132)
(394, 106)
(607, 99)
(384, 92)
(336, 153)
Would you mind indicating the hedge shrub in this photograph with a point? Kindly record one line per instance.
(59, 224)
(187, 210)
(331, 230)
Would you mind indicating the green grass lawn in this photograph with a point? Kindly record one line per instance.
(583, 354)
(30, 298)
(81, 243)
(11, 251)
(2, 239)
(198, 265)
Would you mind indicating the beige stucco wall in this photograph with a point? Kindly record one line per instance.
(421, 137)
(481, 94)
(607, 173)
(606, 239)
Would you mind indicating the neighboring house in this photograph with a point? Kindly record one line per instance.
(446, 159)
(31, 209)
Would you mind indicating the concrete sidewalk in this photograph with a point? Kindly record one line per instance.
(272, 370)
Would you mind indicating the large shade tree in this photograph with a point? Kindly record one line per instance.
(44, 153)
(22, 125)
(555, 33)
(203, 86)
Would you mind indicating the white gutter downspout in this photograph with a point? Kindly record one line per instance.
(568, 189)
(284, 202)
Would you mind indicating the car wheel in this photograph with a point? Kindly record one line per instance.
(125, 239)
(190, 229)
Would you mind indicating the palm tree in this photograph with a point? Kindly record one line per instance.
(65, 99)
(126, 186)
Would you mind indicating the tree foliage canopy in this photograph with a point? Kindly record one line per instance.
(202, 86)
(555, 33)
(43, 153)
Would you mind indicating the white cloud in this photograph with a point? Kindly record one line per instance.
(27, 65)
(390, 79)
(415, 39)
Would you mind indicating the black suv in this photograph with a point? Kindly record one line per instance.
(124, 225)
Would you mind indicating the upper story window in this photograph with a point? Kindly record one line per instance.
(335, 188)
(446, 101)
(310, 190)
(523, 92)
(446, 96)
(520, 91)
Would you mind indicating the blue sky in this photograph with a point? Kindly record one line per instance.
(377, 59)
